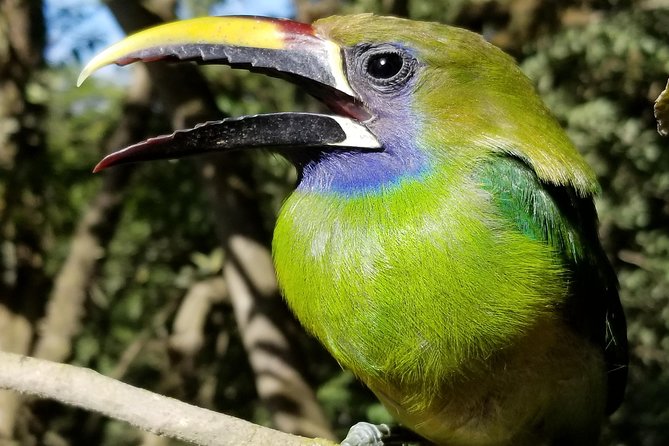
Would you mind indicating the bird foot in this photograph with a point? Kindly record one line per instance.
(366, 434)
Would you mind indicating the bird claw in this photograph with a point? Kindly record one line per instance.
(366, 434)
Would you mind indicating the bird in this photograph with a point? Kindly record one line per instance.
(441, 240)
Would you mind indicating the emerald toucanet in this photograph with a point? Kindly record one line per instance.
(441, 241)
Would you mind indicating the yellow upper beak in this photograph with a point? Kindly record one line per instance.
(255, 43)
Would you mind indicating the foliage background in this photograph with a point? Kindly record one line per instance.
(155, 239)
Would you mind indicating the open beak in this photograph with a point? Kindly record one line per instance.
(278, 47)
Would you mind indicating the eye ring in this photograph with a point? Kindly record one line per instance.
(385, 67)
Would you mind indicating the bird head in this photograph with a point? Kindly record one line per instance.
(407, 97)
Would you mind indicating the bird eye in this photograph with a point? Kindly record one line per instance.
(384, 65)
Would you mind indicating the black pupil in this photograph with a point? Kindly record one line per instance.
(384, 66)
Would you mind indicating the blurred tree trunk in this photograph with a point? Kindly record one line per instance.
(309, 10)
(399, 8)
(65, 307)
(512, 24)
(262, 317)
(23, 171)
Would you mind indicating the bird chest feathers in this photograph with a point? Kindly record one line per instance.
(430, 299)
(423, 272)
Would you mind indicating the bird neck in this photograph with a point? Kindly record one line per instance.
(353, 173)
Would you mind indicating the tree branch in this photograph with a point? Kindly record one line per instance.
(188, 328)
(158, 414)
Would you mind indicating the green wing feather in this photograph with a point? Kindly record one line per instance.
(567, 222)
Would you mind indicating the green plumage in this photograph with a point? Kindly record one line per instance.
(441, 242)
(472, 298)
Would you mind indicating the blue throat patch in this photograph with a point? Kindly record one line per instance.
(352, 173)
